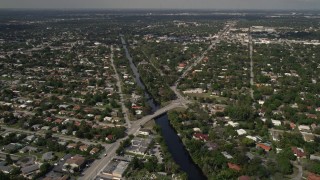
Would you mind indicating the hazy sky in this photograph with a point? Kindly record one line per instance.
(160, 4)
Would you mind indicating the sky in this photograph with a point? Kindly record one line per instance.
(163, 4)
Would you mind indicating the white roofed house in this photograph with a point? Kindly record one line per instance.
(252, 138)
(145, 132)
(304, 128)
(276, 122)
(261, 102)
(241, 132)
(233, 124)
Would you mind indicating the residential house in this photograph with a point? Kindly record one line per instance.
(196, 129)
(62, 143)
(30, 170)
(71, 145)
(308, 137)
(64, 131)
(261, 102)
(252, 138)
(314, 126)
(36, 127)
(30, 138)
(200, 136)
(304, 128)
(276, 122)
(292, 125)
(46, 128)
(312, 176)
(276, 136)
(107, 118)
(74, 164)
(12, 147)
(28, 149)
(234, 167)
(211, 146)
(226, 155)
(233, 124)
(241, 132)
(109, 138)
(84, 147)
(266, 147)
(312, 116)
(314, 157)
(94, 151)
(244, 178)
(58, 121)
(55, 129)
(299, 152)
(48, 156)
(6, 169)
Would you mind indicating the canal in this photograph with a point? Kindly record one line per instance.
(176, 148)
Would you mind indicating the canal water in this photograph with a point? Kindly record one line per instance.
(176, 148)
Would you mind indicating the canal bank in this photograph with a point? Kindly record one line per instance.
(175, 146)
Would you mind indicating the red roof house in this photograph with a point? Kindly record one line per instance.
(312, 176)
(292, 125)
(298, 152)
(109, 138)
(244, 178)
(234, 167)
(200, 136)
(265, 147)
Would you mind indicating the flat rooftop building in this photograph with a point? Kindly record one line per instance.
(120, 169)
(116, 169)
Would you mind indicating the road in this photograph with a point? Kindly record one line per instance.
(97, 166)
(300, 170)
(30, 113)
(303, 133)
(124, 108)
(180, 97)
(66, 138)
(159, 70)
(251, 65)
(174, 104)
(199, 59)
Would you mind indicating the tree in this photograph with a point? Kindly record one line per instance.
(227, 174)
(284, 165)
(8, 159)
(314, 167)
(136, 163)
(15, 171)
(150, 164)
(48, 135)
(45, 167)
(4, 176)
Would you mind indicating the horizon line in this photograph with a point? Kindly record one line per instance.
(179, 9)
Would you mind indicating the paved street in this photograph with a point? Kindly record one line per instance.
(199, 59)
(66, 138)
(251, 65)
(100, 164)
(124, 108)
